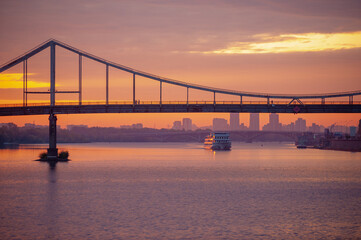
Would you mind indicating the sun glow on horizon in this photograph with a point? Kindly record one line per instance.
(15, 80)
(308, 42)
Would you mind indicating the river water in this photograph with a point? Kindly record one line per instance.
(180, 191)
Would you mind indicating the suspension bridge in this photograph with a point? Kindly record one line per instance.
(270, 103)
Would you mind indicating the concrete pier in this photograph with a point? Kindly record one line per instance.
(52, 150)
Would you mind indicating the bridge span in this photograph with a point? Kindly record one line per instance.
(273, 103)
(178, 107)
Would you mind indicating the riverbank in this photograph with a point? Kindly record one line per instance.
(86, 135)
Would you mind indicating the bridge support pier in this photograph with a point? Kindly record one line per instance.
(52, 150)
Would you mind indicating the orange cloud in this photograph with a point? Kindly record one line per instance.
(308, 42)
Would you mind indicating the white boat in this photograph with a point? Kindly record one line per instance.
(217, 141)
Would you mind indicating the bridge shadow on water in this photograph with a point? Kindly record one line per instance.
(52, 164)
(51, 210)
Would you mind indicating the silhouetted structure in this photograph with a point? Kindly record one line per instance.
(300, 125)
(274, 124)
(234, 121)
(187, 124)
(254, 122)
(293, 103)
(52, 150)
(220, 124)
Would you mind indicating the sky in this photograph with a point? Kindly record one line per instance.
(281, 46)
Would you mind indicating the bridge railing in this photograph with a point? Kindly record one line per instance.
(126, 102)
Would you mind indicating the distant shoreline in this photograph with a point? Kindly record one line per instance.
(22, 135)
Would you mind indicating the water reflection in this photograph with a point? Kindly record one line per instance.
(219, 154)
(180, 191)
(9, 146)
(52, 165)
(52, 201)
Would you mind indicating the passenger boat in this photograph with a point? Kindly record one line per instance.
(217, 141)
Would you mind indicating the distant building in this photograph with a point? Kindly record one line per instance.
(71, 127)
(274, 124)
(32, 125)
(29, 125)
(206, 128)
(220, 124)
(177, 125)
(8, 125)
(274, 120)
(254, 122)
(187, 124)
(242, 127)
(340, 129)
(314, 128)
(234, 121)
(266, 127)
(133, 126)
(300, 125)
(137, 126)
(353, 131)
(289, 127)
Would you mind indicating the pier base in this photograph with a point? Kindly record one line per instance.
(52, 150)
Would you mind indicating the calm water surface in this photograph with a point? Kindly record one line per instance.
(180, 191)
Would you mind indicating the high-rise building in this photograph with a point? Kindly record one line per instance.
(234, 121)
(300, 125)
(220, 124)
(274, 124)
(254, 122)
(274, 121)
(187, 124)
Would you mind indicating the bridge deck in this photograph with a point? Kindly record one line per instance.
(156, 107)
(76, 103)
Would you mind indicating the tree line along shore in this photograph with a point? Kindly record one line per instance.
(25, 135)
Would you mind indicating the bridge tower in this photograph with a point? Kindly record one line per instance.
(52, 150)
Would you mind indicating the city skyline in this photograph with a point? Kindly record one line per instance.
(223, 124)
